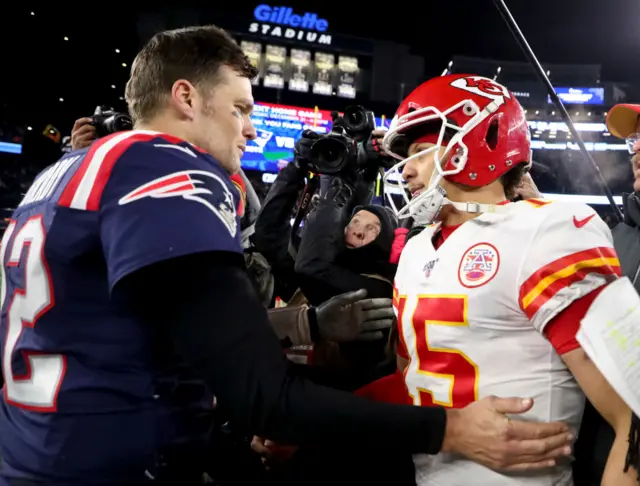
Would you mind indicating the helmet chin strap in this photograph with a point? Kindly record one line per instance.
(475, 208)
(427, 212)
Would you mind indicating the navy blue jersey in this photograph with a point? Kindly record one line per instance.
(80, 403)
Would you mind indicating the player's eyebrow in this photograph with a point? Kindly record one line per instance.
(246, 105)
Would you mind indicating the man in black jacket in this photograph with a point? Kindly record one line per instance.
(623, 122)
(341, 252)
(596, 436)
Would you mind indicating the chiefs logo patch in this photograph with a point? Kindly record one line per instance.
(479, 265)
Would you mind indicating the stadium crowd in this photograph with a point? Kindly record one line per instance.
(169, 284)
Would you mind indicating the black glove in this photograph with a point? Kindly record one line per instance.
(340, 192)
(350, 317)
(302, 149)
(371, 156)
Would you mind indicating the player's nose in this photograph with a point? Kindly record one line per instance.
(249, 131)
(409, 171)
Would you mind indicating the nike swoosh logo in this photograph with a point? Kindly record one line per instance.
(581, 222)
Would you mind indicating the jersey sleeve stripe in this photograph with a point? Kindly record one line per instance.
(544, 284)
(582, 275)
(85, 188)
(537, 202)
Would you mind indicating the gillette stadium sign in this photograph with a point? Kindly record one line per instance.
(283, 23)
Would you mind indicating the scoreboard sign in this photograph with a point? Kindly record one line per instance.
(283, 23)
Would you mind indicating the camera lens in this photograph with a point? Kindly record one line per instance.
(118, 123)
(355, 118)
(329, 155)
(122, 123)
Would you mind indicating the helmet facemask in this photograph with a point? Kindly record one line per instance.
(425, 207)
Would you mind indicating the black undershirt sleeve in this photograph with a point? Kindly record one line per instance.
(207, 305)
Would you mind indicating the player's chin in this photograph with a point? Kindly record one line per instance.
(231, 165)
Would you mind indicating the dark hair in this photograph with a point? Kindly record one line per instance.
(511, 180)
(192, 53)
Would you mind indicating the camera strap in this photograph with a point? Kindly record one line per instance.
(303, 209)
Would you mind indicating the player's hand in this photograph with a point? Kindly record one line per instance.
(350, 317)
(82, 134)
(527, 189)
(272, 454)
(483, 433)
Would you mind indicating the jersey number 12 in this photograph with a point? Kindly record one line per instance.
(37, 388)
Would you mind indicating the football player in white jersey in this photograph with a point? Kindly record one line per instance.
(490, 295)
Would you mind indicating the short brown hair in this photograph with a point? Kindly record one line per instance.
(193, 53)
(512, 179)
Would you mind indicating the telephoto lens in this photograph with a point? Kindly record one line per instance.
(107, 121)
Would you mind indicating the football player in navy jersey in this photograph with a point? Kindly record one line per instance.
(135, 242)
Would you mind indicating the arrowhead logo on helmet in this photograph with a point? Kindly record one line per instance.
(484, 87)
(472, 129)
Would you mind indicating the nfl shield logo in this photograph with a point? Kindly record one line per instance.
(428, 268)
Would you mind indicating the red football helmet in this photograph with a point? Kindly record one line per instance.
(478, 121)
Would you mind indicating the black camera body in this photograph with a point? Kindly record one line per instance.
(107, 121)
(337, 151)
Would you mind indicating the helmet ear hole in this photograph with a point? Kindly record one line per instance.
(492, 133)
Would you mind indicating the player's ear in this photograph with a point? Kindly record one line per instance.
(183, 94)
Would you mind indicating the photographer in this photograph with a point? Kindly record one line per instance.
(346, 242)
(105, 121)
(82, 133)
(349, 152)
(338, 256)
(345, 318)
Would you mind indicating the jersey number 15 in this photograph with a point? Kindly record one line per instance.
(436, 375)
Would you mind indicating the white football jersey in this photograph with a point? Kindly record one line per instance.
(472, 315)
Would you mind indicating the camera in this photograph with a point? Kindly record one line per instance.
(337, 151)
(107, 121)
